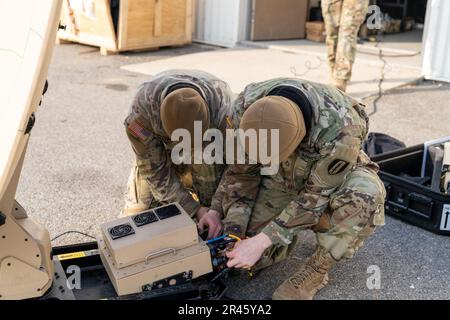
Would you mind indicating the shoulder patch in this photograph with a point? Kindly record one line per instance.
(337, 166)
(139, 131)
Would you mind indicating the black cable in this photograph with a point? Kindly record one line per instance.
(381, 80)
(308, 67)
(406, 55)
(381, 55)
(73, 231)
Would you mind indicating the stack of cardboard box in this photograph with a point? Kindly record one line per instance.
(315, 31)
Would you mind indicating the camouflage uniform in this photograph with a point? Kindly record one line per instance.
(328, 184)
(343, 19)
(155, 179)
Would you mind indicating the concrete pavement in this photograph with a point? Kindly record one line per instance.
(262, 60)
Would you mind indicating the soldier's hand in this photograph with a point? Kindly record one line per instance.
(213, 221)
(201, 212)
(247, 252)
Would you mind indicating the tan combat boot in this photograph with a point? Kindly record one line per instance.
(341, 84)
(312, 276)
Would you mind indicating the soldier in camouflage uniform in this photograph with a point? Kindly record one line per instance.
(327, 184)
(343, 19)
(154, 179)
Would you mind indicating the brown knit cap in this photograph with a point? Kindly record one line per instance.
(181, 108)
(275, 112)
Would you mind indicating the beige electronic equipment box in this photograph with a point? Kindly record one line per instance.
(145, 251)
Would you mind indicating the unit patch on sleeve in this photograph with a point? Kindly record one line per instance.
(337, 167)
(138, 131)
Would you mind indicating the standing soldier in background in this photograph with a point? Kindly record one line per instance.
(175, 100)
(343, 19)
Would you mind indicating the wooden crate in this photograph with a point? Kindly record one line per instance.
(315, 31)
(142, 24)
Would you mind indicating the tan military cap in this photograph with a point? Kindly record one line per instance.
(275, 112)
(181, 108)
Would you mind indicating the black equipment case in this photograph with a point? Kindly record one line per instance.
(406, 198)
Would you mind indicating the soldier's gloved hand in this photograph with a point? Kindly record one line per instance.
(247, 252)
(211, 220)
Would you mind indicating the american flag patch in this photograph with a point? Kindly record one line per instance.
(139, 131)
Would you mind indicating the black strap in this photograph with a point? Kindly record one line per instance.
(300, 99)
(182, 85)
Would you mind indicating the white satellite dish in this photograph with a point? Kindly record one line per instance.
(27, 36)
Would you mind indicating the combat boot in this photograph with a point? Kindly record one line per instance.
(341, 84)
(310, 278)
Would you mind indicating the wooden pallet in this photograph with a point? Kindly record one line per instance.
(142, 25)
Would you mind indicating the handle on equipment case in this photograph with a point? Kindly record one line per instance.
(159, 253)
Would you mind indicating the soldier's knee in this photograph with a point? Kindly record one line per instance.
(374, 188)
(357, 194)
(356, 209)
(365, 184)
(371, 197)
(363, 204)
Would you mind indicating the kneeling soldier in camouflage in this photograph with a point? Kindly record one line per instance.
(325, 182)
(169, 101)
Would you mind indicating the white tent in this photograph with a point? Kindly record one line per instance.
(436, 41)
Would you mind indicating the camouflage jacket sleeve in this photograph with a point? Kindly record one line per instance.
(326, 175)
(216, 201)
(241, 186)
(158, 170)
(208, 185)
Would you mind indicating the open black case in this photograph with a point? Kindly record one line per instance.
(409, 197)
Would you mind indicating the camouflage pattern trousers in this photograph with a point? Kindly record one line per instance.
(354, 211)
(343, 19)
(200, 180)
